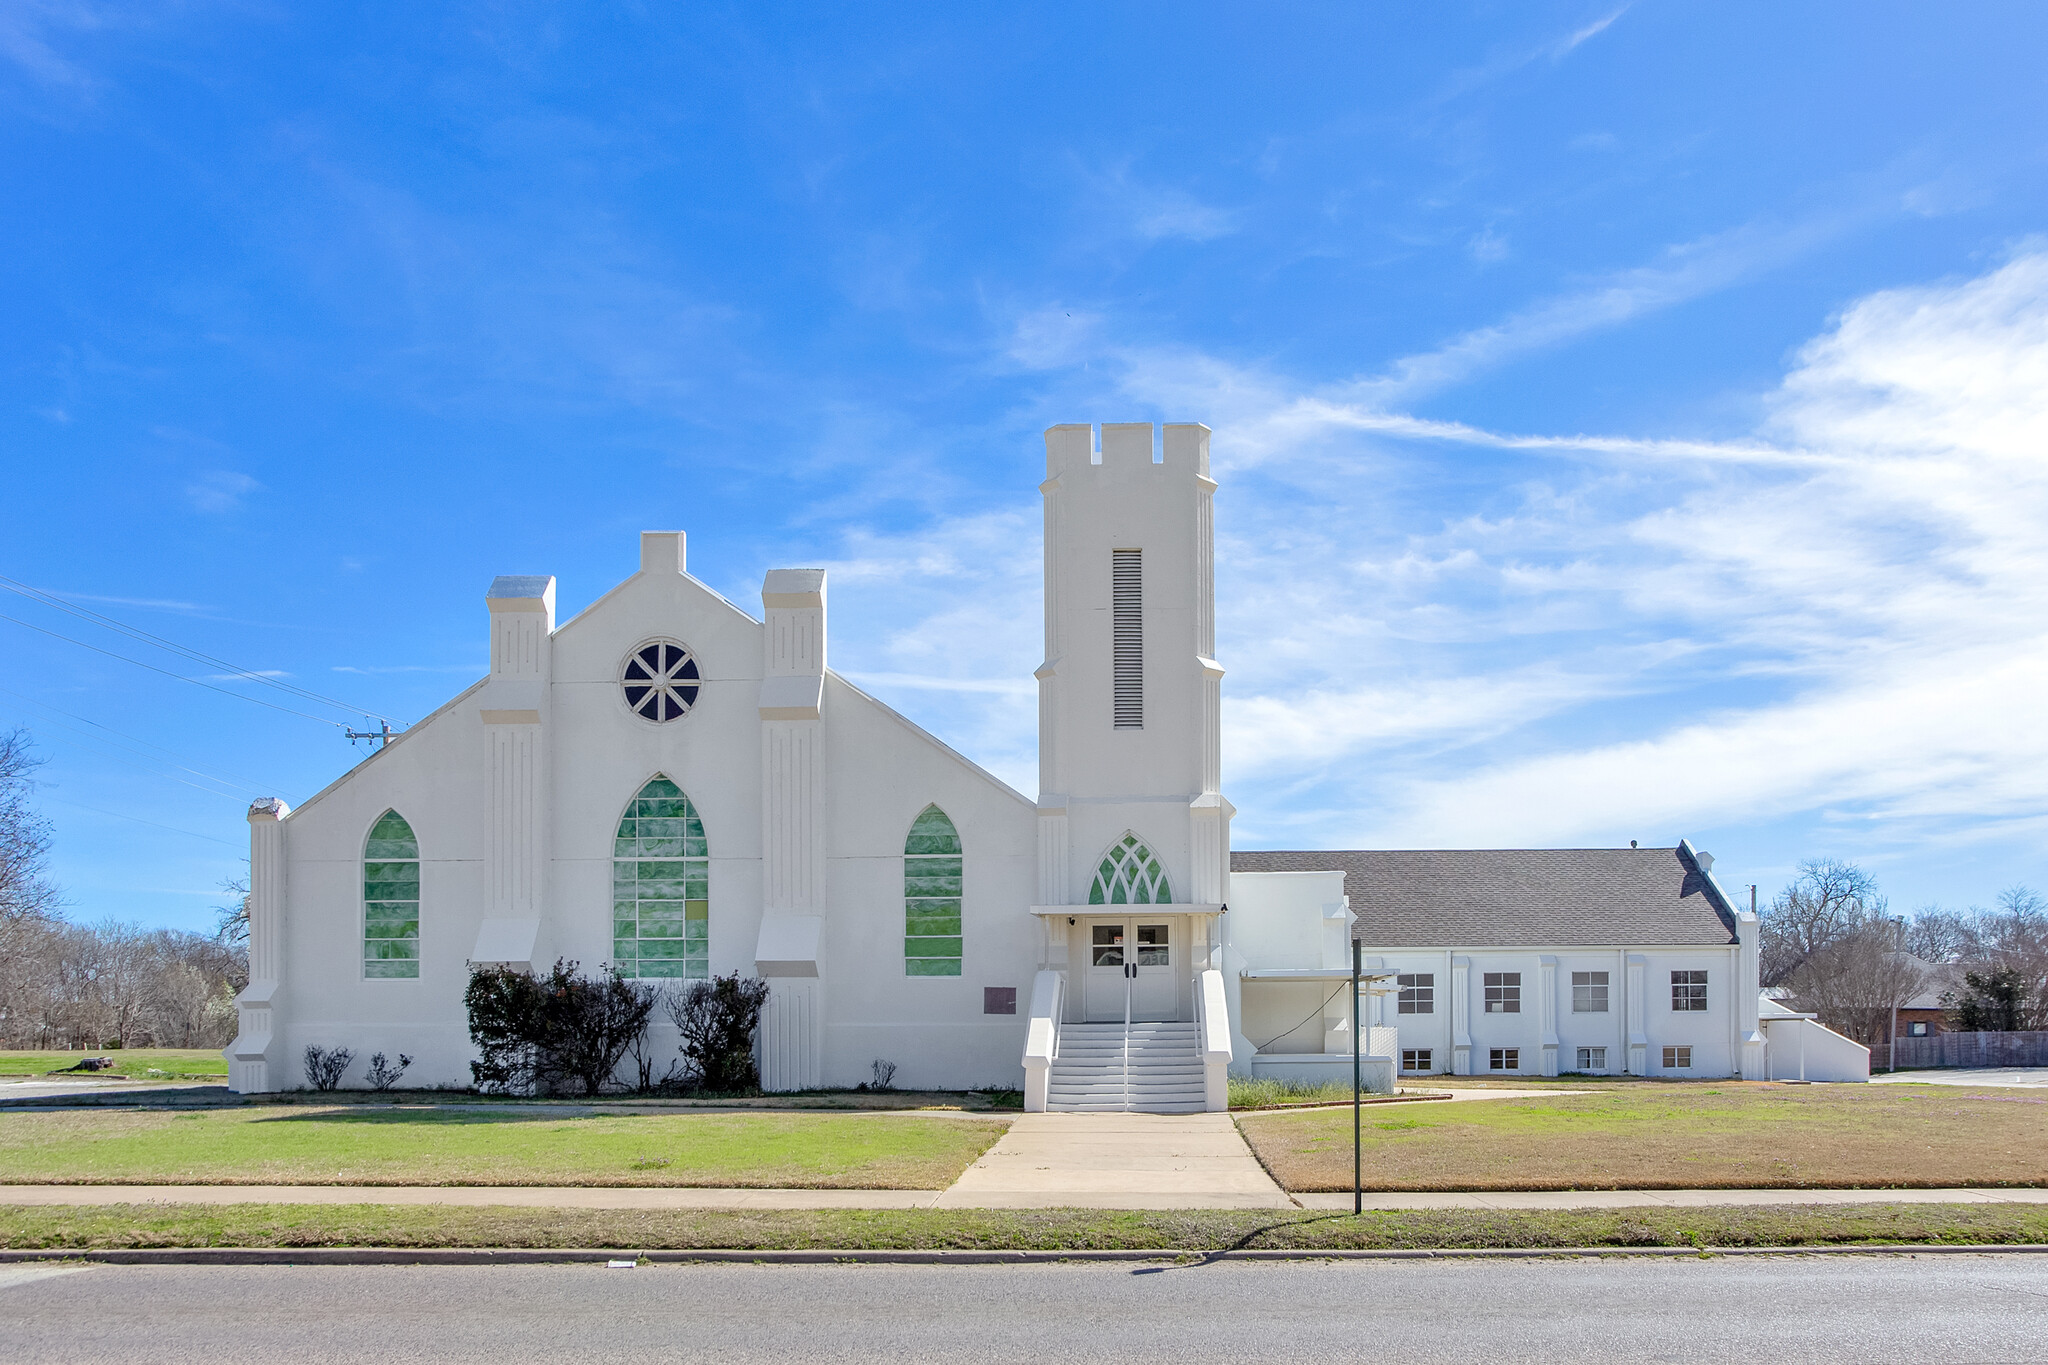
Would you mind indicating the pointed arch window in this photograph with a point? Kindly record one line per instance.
(1130, 875)
(931, 896)
(391, 899)
(661, 886)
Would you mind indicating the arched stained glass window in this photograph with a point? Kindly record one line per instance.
(391, 899)
(661, 880)
(931, 896)
(1130, 875)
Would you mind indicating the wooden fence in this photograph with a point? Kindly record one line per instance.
(1970, 1049)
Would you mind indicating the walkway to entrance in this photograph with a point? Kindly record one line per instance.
(1117, 1161)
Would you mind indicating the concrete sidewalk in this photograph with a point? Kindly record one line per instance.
(1117, 1161)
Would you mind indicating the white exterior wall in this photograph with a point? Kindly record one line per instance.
(1161, 781)
(488, 852)
(1271, 926)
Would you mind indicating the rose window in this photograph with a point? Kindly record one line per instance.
(660, 680)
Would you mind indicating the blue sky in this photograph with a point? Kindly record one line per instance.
(1631, 418)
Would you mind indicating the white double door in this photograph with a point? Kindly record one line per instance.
(1129, 960)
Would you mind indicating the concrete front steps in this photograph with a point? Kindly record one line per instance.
(1087, 1076)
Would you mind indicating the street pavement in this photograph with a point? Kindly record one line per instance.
(2023, 1076)
(1790, 1309)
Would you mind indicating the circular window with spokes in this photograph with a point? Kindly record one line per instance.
(660, 680)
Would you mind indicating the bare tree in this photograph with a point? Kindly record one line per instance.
(234, 915)
(1940, 935)
(1858, 980)
(1829, 899)
(28, 900)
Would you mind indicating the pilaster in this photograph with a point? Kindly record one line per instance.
(1461, 1016)
(256, 1044)
(1638, 1037)
(1546, 1013)
(792, 828)
(514, 710)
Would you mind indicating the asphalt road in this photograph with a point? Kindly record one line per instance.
(1785, 1309)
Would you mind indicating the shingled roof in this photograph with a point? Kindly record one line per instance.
(1518, 897)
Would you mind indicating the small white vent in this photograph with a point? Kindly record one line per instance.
(1127, 630)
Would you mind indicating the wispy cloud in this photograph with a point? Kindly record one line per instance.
(1505, 62)
(1841, 617)
(1683, 272)
(1153, 212)
(219, 490)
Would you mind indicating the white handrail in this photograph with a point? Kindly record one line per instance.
(1042, 1037)
(1212, 1011)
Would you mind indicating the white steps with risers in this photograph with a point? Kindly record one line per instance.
(1166, 1075)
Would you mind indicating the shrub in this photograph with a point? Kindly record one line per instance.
(383, 1076)
(326, 1066)
(506, 1024)
(718, 1019)
(536, 1035)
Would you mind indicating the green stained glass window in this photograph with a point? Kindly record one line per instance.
(391, 899)
(931, 896)
(661, 887)
(1129, 874)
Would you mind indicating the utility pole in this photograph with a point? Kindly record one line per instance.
(380, 736)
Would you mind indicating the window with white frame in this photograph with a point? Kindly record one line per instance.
(1589, 992)
(1592, 1059)
(1688, 991)
(1503, 992)
(1417, 993)
(1504, 1059)
(1678, 1058)
(1918, 1029)
(1415, 1059)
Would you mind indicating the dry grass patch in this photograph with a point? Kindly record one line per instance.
(488, 1145)
(1650, 1135)
(302, 1225)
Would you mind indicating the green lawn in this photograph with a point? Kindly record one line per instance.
(136, 1063)
(488, 1145)
(1646, 1135)
(311, 1225)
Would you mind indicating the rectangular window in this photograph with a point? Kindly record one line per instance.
(1107, 945)
(1415, 1059)
(1918, 1030)
(1678, 1058)
(1589, 992)
(1418, 993)
(1688, 991)
(1504, 1059)
(1592, 1059)
(1504, 993)
(1127, 636)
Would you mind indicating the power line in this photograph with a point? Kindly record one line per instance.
(51, 599)
(210, 838)
(238, 696)
(241, 786)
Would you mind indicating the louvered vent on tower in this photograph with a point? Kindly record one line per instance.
(1127, 627)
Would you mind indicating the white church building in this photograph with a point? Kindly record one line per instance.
(668, 783)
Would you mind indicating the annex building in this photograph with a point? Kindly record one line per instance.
(672, 784)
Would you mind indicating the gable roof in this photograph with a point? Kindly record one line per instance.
(1519, 897)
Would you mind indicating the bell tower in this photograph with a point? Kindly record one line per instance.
(1129, 728)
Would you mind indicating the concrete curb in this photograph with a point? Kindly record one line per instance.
(488, 1256)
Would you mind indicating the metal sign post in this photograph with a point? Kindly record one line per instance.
(1357, 1082)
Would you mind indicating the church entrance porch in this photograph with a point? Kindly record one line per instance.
(1129, 969)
